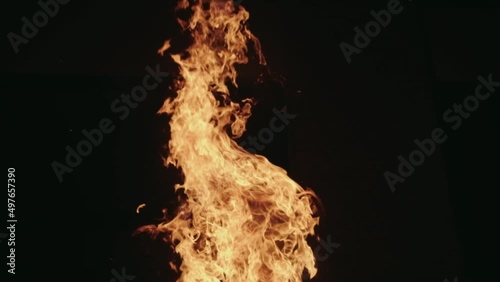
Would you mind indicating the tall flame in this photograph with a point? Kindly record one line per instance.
(244, 219)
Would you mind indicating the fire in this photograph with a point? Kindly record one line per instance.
(138, 210)
(243, 218)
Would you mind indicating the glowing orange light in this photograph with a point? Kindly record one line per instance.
(244, 219)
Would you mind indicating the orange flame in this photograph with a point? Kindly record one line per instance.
(244, 219)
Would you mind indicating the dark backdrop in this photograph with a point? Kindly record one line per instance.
(353, 121)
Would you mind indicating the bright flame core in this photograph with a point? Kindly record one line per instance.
(244, 219)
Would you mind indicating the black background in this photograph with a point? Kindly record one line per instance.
(353, 121)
